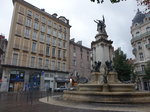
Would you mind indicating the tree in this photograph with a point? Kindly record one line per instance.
(121, 65)
(147, 70)
(139, 2)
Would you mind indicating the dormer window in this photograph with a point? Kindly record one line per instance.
(137, 33)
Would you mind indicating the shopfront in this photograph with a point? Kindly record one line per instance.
(34, 81)
(61, 81)
(16, 80)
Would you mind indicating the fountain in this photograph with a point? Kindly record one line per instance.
(104, 86)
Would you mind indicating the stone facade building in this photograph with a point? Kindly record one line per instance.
(140, 41)
(80, 63)
(3, 45)
(37, 52)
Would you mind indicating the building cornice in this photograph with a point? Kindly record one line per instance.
(42, 12)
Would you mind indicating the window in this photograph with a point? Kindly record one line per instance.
(59, 35)
(141, 56)
(149, 40)
(55, 26)
(64, 54)
(54, 33)
(49, 30)
(29, 13)
(58, 66)
(59, 43)
(87, 56)
(59, 53)
(36, 17)
(54, 42)
(49, 23)
(15, 59)
(27, 33)
(43, 28)
(48, 39)
(40, 62)
(53, 52)
(18, 30)
(20, 19)
(28, 22)
(64, 67)
(53, 65)
(36, 25)
(43, 20)
(47, 50)
(21, 10)
(32, 64)
(42, 37)
(137, 33)
(143, 67)
(33, 46)
(64, 44)
(148, 29)
(74, 62)
(47, 63)
(34, 35)
(139, 45)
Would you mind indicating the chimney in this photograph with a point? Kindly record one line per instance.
(79, 42)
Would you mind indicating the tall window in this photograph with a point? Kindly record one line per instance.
(149, 40)
(54, 42)
(33, 46)
(53, 65)
(40, 62)
(53, 52)
(34, 35)
(59, 43)
(141, 56)
(42, 37)
(139, 45)
(27, 32)
(32, 62)
(59, 53)
(64, 67)
(49, 23)
(36, 17)
(15, 59)
(47, 63)
(36, 25)
(74, 62)
(49, 30)
(58, 66)
(43, 20)
(54, 33)
(47, 50)
(20, 19)
(29, 13)
(43, 28)
(28, 22)
(143, 67)
(64, 54)
(48, 39)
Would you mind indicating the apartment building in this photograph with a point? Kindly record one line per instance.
(140, 41)
(3, 45)
(80, 61)
(37, 52)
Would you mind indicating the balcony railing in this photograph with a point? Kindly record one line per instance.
(148, 46)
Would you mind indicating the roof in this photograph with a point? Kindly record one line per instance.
(138, 17)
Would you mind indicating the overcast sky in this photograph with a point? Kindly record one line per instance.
(81, 14)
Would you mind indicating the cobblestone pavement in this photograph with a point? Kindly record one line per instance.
(29, 102)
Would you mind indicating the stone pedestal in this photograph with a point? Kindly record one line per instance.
(113, 78)
(96, 78)
(105, 88)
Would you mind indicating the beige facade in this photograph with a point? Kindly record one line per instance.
(80, 61)
(140, 41)
(37, 41)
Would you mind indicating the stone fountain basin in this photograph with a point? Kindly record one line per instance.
(111, 87)
(107, 97)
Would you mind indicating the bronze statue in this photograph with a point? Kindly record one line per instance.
(96, 66)
(100, 25)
